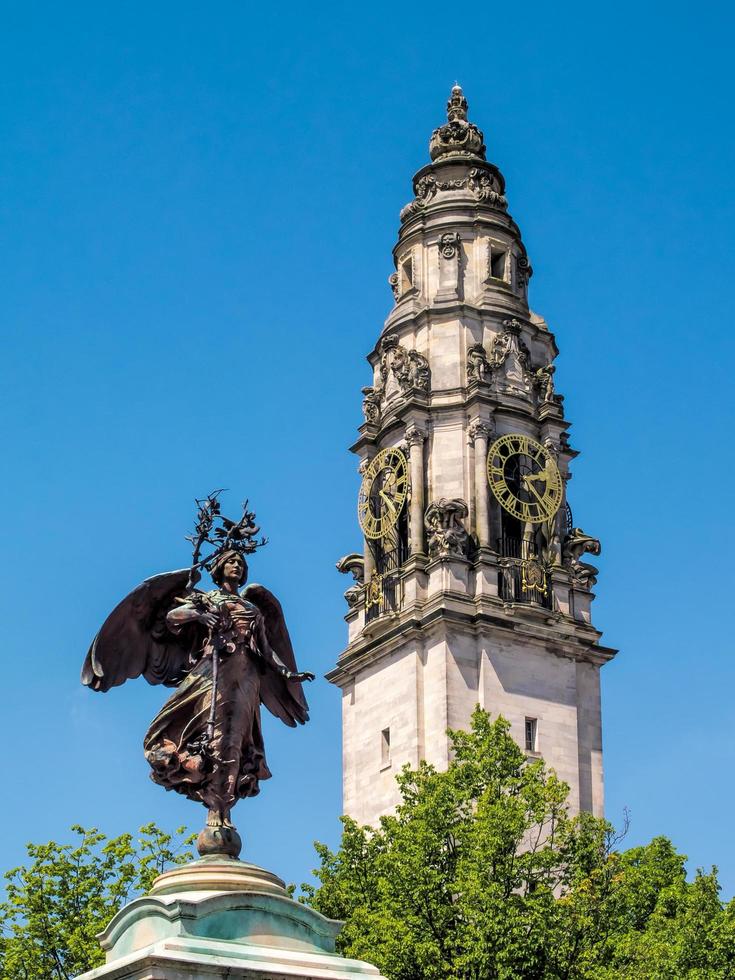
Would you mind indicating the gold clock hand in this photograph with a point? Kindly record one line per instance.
(388, 500)
(532, 488)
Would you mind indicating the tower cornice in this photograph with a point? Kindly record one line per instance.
(454, 613)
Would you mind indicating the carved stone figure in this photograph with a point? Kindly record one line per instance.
(544, 377)
(511, 357)
(446, 534)
(388, 346)
(395, 285)
(582, 574)
(418, 369)
(353, 564)
(225, 652)
(407, 369)
(577, 543)
(478, 366)
(371, 405)
(400, 367)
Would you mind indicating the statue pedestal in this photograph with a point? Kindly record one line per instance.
(220, 917)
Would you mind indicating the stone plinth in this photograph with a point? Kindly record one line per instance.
(219, 917)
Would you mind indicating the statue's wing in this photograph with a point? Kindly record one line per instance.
(134, 639)
(285, 699)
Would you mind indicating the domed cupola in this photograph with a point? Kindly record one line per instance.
(457, 242)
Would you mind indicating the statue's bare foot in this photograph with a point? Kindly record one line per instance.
(215, 818)
(228, 820)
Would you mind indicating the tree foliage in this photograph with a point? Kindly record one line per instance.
(68, 893)
(481, 874)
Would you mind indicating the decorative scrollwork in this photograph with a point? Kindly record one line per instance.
(534, 577)
(486, 187)
(524, 271)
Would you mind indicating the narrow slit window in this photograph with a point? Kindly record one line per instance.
(498, 263)
(531, 734)
(385, 747)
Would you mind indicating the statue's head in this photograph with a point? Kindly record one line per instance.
(230, 564)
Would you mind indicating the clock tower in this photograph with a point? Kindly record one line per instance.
(471, 586)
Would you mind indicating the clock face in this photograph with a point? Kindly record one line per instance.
(383, 493)
(524, 477)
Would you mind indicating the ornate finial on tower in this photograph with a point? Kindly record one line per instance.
(457, 105)
(457, 137)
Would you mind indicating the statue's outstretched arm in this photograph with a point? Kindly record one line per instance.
(270, 657)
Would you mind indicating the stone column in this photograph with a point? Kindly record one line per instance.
(369, 561)
(480, 433)
(415, 439)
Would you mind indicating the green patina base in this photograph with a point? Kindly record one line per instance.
(220, 917)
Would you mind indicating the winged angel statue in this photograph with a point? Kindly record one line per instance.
(225, 651)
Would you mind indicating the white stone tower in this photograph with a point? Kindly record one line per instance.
(471, 588)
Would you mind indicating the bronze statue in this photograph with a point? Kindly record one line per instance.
(226, 652)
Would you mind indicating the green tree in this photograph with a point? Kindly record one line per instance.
(481, 874)
(56, 904)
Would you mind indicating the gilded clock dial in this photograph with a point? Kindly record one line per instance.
(383, 493)
(524, 477)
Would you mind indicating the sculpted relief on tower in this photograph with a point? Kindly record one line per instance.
(479, 369)
(582, 574)
(511, 359)
(401, 373)
(507, 369)
(483, 182)
(446, 534)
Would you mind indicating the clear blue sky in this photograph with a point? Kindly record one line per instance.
(198, 204)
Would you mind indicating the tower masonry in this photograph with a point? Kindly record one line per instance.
(471, 587)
